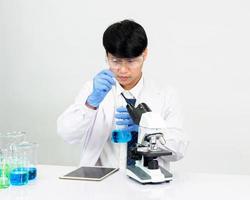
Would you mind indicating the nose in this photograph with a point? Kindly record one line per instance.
(124, 66)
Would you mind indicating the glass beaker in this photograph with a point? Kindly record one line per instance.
(24, 163)
(4, 168)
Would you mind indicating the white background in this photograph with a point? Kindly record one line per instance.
(49, 48)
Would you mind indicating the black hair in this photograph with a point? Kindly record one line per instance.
(125, 39)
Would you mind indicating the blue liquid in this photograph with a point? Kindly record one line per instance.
(121, 136)
(19, 176)
(32, 173)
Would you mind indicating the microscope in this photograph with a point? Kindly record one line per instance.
(149, 146)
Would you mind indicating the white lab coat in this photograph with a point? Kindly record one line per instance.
(92, 128)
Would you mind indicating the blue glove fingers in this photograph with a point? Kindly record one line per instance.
(124, 122)
(106, 77)
(125, 119)
(102, 85)
(122, 116)
(121, 109)
(107, 72)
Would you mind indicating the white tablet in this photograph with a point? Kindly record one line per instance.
(95, 173)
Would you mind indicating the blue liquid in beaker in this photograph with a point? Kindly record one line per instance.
(32, 173)
(19, 176)
(121, 136)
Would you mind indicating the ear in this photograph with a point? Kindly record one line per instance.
(145, 54)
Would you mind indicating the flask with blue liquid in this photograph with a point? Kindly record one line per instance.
(120, 134)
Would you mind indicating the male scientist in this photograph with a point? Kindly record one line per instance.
(100, 108)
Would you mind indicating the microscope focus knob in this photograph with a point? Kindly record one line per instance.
(153, 164)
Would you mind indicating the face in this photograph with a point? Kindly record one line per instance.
(128, 71)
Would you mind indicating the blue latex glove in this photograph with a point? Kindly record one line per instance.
(102, 84)
(125, 119)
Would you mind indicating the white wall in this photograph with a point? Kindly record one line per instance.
(49, 48)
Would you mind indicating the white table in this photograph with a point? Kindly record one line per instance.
(117, 186)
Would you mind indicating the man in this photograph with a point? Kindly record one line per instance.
(100, 108)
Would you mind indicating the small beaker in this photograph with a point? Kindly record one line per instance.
(24, 163)
(4, 168)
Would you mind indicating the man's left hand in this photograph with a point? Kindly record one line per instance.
(125, 120)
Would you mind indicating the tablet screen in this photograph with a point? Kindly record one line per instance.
(90, 173)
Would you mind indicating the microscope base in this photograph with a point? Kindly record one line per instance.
(145, 175)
